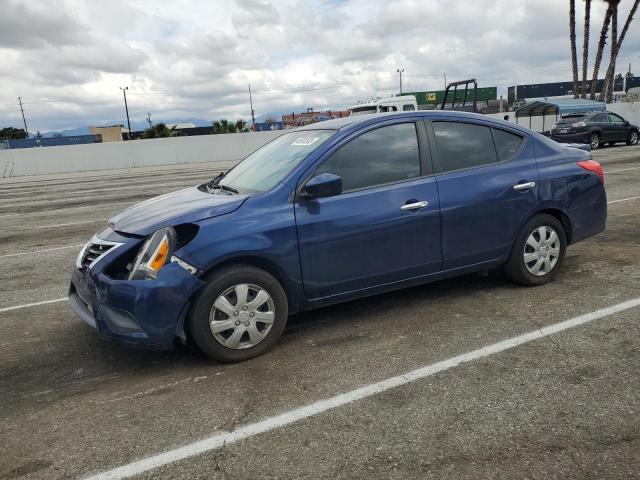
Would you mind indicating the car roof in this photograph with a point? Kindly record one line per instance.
(355, 122)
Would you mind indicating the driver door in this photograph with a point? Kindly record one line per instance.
(385, 225)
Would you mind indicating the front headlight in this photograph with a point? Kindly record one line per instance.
(154, 254)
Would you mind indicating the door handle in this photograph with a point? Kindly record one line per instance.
(524, 186)
(414, 206)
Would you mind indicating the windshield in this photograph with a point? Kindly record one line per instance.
(363, 111)
(264, 168)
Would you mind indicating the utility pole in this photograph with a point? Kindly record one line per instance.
(400, 72)
(445, 79)
(126, 108)
(23, 118)
(149, 119)
(253, 116)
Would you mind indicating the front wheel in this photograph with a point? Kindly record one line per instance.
(538, 251)
(594, 141)
(633, 138)
(239, 314)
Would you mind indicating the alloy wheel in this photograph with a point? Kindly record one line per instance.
(633, 138)
(242, 316)
(595, 141)
(541, 251)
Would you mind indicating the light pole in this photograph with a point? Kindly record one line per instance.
(126, 108)
(26, 130)
(253, 116)
(149, 119)
(400, 70)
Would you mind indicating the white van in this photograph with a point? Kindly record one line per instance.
(404, 103)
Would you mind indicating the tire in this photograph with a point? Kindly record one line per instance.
(633, 138)
(255, 318)
(594, 141)
(519, 270)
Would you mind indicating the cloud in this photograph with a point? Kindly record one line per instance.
(185, 59)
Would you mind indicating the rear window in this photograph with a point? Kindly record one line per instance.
(507, 144)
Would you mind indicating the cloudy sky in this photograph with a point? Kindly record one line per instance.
(181, 59)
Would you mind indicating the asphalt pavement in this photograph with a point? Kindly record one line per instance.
(566, 405)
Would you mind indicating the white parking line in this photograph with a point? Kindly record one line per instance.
(35, 304)
(36, 252)
(58, 225)
(623, 200)
(47, 212)
(271, 423)
(621, 170)
(94, 221)
(98, 190)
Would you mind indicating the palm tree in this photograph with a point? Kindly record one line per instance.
(241, 126)
(159, 130)
(220, 126)
(585, 47)
(224, 126)
(615, 48)
(601, 43)
(607, 87)
(572, 39)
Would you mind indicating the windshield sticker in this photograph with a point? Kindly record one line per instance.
(305, 141)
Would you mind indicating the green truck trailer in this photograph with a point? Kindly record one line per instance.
(435, 97)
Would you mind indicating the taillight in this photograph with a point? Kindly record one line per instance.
(594, 167)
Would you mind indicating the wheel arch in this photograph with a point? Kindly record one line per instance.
(269, 266)
(562, 217)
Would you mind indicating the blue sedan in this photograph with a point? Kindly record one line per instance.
(331, 212)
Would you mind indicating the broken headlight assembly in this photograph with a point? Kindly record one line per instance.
(155, 253)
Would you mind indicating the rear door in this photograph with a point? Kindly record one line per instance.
(385, 226)
(488, 183)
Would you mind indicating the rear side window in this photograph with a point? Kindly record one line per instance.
(615, 118)
(384, 155)
(407, 108)
(507, 144)
(463, 145)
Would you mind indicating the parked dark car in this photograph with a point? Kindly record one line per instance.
(595, 128)
(334, 211)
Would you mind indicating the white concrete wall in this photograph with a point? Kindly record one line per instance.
(138, 153)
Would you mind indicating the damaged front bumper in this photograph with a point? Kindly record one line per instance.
(146, 312)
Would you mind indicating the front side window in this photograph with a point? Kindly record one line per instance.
(407, 108)
(507, 144)
(384, 155)
(463, 145)
(264, 168)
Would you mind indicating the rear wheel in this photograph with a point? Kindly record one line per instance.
(239, 314)
(594, 140)
(633, 138)
(538, 251)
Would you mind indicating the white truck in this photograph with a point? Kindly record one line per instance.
(403, 103)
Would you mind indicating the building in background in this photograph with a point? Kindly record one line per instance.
(306, 118)
(517, 93)
(111, 133)
(267, 126)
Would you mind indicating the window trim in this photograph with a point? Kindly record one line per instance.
(425, 158)
(436, 154)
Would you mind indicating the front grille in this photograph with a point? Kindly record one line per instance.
(92, 252)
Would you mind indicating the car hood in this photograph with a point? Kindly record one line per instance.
(184, 206)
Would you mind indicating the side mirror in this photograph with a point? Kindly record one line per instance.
(323, 185)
